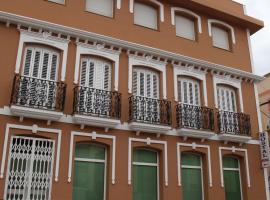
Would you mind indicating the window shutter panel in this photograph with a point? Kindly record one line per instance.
(107, 76)
(45, 65)
(185, 92)
(27, 62)
(185, 27)
(223, 106)
(233, 101)
(197, 94)
(220, 38)
(148, 85)
(155, 86)
(91, 74)
(191, 93)
(179, 90)
(53, 75)
(142, 84)
(83, 73)
(135, 82)
(36, 64)
(99, 75)
(218, 97)
(229, 107)
(102, 7)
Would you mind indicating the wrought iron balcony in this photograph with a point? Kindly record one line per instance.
(234, 123)
(194, 117)
(147, 110)
(96, 103)
(38, 93)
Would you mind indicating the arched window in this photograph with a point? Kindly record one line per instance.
(192, 179)
(145, 15)
(232, 178)
(226, 98)
(188, 91)
(145, 175)
(90, 172)
(101, 7)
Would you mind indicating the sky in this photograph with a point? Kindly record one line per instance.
(260, 41)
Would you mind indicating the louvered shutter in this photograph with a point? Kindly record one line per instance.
(179, 90)
(155, 86)
(91, 74)
(106, 77)
(226, 99)
(27, 62)
(135, 82)
(197, 94)
(53, 74)
(148, 85)
(45, 65)
(36, 64)
(142, 84)
(188, 91)
(83, 73)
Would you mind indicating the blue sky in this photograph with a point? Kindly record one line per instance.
(260, 41)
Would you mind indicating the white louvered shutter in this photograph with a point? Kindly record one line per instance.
(27, 62)
(54, 64)
(188, 91)
(155, 86)
(36, 65)
(83, 73)
(135, 82)
(226, 99)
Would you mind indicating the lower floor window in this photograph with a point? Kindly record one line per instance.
(232, 179)
(145, 175)
(90, 172)
(192, 177)
(30, 167)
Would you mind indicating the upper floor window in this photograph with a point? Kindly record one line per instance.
(232, 178)
(96, 73)
(101, 7)
(145, 83)
(185, 27)
(145, 15)
(192, 179)
(222, 34)
(58, 1)
(41, 63)
(188, 91)
(145, 175)
(226, 97)
(90, 172)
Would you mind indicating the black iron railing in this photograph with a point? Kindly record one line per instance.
(38, 93)
(147, 110)
(234, 123)
(95, 102)
(194, 117)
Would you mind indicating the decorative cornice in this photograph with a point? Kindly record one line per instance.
(10, 18)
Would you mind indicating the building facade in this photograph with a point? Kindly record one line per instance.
(133, 100)
(264, 95)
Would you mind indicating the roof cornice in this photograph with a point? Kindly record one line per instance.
(19, 20)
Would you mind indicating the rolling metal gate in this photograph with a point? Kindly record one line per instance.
(29, 174)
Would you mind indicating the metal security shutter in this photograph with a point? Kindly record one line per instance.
(145, 15)
(220, 38)
(145, 83)
(185, 27)
(102, 7)
(30, 166)
(226, 99)
(188, 91)
(96, 73)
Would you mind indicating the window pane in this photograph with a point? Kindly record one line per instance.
(185, 27)
(144, 183)
(145, 15)
(89, 151)
(229, 162)
(232, 185)
(141, 155)
(102, 7)
(192, 184)
(220, 38)
(191, 159)
(88, 183)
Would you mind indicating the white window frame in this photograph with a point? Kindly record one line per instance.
(196, 167)
(147, 62)
(189, 71)
(160, 5)
(175, 10)
(227, 80)
(89, 160)
(45, 39)
(212, 22)
(98, 50)
(237, 170)
(151, 165)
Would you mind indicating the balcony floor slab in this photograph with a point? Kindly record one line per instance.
(234, 138)
(194, 133)
(149, 128)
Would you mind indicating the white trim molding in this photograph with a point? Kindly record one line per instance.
(35, 129)
(194, 146)
(175, 10)
(160, 5)
(27, 36)
(233, 150)
(148, 141)
(118, 4)
(215, 21)
(147, 61)
(186, 70)
(92, 136)
(228, 80)
(97, 50)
